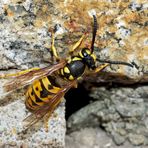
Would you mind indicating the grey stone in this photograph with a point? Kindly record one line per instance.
(131, 107)
(11, 127)
(118, 139)
(136, 139)
(85, 116)
(24, 43)
(94, 138)
(124, 112)
(23, 46)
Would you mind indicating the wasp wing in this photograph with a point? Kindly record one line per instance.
(48, 108)
(27, 78)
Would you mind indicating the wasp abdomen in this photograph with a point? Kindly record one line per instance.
(41, 91)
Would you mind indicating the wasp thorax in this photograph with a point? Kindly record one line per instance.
(88, 58)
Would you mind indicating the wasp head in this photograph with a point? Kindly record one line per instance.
(88, 58)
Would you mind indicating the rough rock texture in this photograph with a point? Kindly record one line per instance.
(93, 138)
(11, 128)
(122, 35)
(25, 42)
(122, 112)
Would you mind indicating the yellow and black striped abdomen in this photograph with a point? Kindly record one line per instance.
(41, 92)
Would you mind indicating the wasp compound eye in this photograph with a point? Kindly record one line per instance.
(85, 52)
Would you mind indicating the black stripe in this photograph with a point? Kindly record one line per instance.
(53, 82)
(37, 99)
(44, 93)
(33, 103)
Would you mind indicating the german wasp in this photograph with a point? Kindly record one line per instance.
(47, 86)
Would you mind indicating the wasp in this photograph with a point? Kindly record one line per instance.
(47, 86)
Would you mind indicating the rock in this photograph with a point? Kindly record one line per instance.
(93, 138)
(136, 139)
(131, 108)
(88, 137)
(120, 39)
(11, 127)
(121, 111)
(25, 42)
(86, 116)
(118, 139)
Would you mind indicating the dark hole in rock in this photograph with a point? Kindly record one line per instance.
(76, 98)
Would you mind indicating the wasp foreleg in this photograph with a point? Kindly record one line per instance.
(101, 67)
(77, 44)
(98, 69)
(53, 49)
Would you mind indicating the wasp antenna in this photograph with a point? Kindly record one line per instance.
(115, 62)
(95, 26)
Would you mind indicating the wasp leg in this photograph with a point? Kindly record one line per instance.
(77, 44)
(45, 120)
(101, 67)
(53, 49)
(98, 69)
(18, 73)
(48, 115)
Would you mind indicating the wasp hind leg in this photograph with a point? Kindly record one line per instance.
(46, 118)
(18, 73)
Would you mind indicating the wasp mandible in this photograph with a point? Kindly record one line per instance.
(47, 86)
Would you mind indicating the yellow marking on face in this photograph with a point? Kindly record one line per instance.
(76, 59)
(81, 55)
(66, 70)
(71, 77)
(88, 52)
(93, 56)
(79, 78)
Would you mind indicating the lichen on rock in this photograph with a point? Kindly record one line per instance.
(25, 43)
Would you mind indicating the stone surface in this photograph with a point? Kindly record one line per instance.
(93, 138)
(25, 41)
(121, 35)
(121, 111)
(11, 127)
